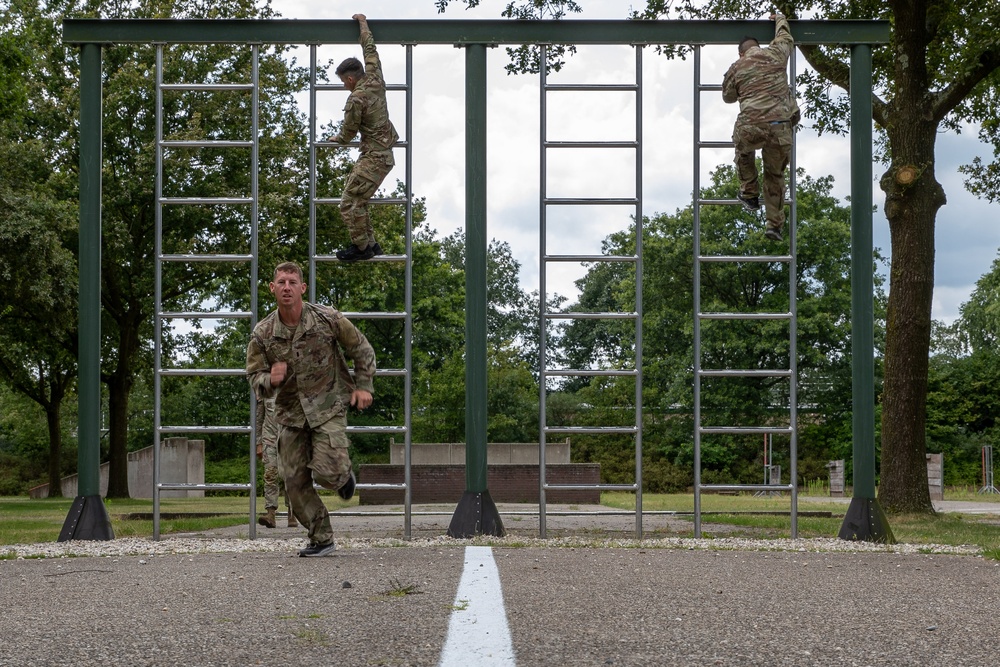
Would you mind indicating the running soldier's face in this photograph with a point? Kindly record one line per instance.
(288, 289)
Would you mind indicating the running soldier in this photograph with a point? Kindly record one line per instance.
(768, 115)
(267, 451)
(367, 112)
(297, 355)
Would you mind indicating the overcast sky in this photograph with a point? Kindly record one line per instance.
(967, 236)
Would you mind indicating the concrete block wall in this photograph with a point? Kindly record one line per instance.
(935, 476)
(70, 484)
(181, 460)
(836, 469)
(453, 453)
(507, 483)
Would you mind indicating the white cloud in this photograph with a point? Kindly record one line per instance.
(947, 301)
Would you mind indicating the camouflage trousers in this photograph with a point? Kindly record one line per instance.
(365, 178)
(775, 144)
(316, 454)
(273, 484)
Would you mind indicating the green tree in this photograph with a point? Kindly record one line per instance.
(37, 234)
(24, 452)
(980, 315)
(129, 172)
(940, 71)
(963, 404)
(823, 327)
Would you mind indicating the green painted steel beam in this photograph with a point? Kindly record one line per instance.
(89, 394)
(475, 269)
(461, 31)
(862, 269)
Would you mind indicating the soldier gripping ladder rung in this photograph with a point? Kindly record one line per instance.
(404, 259)
(545, 317)
(790, 430)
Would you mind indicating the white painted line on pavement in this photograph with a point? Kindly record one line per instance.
(477, 632)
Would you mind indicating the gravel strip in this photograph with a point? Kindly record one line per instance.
(132, 546)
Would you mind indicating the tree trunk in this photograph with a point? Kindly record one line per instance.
(119, 387)
(54, 382)
(913, 197)
(118, 435)
(55, 446)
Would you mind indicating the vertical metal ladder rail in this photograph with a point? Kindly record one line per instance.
(545, 317)
(792, 316)
(161, 259)
(406, 259)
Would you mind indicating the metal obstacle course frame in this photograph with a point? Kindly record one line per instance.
(476, 512)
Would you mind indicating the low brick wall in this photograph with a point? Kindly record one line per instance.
(511, 483)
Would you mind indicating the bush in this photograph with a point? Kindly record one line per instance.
(18, 475)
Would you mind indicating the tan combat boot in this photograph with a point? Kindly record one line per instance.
(292, 523)
(267, 519)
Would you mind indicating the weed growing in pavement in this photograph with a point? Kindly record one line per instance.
(398, 590)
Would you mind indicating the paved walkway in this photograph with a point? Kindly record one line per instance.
(398, 605)
(377, 521)
(960, 506)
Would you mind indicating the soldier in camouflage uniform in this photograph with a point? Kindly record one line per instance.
(768, 114)
(366, 112)
(297, 355)
(267, 450)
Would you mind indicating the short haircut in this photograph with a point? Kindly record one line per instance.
(747, 42)
(288, 267)
(351, 67)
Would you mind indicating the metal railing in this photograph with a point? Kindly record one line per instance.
(162, 316)
(791, 315)
(545, 317)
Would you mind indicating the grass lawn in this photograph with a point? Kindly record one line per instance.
(24, 520)
(749, 515)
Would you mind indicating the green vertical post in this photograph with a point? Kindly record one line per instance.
(476, 513)
(865, 519)
(475, 268)
(88, 519)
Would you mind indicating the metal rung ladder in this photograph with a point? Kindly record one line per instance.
(161, 258)
(791, 316)
(406, 259)
(545, 258)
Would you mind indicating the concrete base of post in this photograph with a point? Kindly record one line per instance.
(87, 520)
(476, 514)
(866, 522)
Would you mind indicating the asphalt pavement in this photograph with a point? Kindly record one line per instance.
(372, 604)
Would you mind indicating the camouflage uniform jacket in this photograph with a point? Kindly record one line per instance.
(366, 110)
(759, 80)
(318, 386)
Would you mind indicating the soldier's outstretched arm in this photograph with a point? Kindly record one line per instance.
(362, 21)
(782, 41)
(359, 350)
(373, 65)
